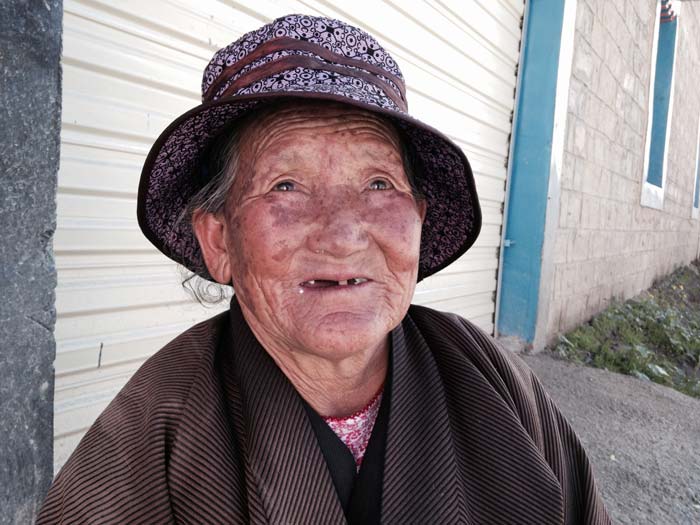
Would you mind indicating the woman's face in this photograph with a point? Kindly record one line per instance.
(321, 231)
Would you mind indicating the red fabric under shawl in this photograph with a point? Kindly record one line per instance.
(355, 430)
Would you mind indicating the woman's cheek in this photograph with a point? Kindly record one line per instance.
(398, 216)
(279, 210)
(276, 228)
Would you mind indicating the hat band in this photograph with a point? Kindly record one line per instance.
(293, 44)
(291, 62)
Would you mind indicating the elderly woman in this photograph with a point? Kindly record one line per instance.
(322, 396)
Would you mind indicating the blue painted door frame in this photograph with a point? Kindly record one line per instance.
(530, 170)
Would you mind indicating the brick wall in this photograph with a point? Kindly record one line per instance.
(606, 245)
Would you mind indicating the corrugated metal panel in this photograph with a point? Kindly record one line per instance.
(130, 67)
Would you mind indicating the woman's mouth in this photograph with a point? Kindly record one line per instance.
(325, 283)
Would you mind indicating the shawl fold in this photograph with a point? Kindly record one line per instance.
(209, 430)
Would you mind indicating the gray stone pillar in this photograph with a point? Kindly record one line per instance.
(30, 123)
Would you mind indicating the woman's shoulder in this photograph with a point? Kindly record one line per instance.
(480, 378)
(466, 353)
(448, 327)
(423, 314)
(169, 373)
(189, 347)
(447, 332)
(121, 457)
(162, 386)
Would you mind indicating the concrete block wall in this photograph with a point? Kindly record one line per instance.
(606, 245)
(30, 113)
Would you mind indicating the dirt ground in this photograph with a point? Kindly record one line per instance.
(642, 438)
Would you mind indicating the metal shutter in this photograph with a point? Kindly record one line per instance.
(130, 67)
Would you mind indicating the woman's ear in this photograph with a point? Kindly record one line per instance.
(210, 230)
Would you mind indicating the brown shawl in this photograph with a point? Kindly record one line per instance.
(209, 430)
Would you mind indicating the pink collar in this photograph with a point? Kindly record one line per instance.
(355, 430)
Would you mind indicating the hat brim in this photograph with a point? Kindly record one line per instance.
(170, 178)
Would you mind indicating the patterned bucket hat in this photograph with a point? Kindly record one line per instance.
(304, 57)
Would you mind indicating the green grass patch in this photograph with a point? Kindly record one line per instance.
(654, 336)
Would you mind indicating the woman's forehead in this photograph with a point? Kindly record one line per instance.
(296, 127)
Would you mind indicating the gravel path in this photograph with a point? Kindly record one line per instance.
(643, 440)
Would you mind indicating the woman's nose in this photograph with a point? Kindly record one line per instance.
(340, 229)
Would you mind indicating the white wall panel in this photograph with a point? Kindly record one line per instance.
(130, 67)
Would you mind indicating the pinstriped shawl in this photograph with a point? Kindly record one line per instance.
(209, 430)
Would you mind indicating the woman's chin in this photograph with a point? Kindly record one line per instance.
(341, 335)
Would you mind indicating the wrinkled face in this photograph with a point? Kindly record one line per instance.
(322, 230)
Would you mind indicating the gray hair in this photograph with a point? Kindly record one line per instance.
(221, 166)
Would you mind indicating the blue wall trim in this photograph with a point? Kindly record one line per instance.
(696, 196)
(662, 98)
(530, 166)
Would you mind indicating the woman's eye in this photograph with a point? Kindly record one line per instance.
(284, 186)
(379, 184)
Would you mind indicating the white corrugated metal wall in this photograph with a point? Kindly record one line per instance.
(130, 67)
